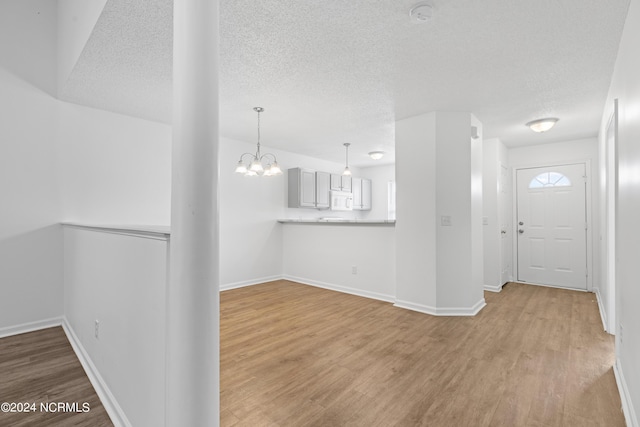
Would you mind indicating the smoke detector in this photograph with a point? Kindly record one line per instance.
(421, 13)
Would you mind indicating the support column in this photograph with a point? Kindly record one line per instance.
(439, 214)
(193, 304)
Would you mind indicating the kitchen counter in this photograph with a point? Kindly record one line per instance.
(339, 221)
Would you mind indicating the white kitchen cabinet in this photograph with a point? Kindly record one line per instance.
(322, 190)
(361, 194)
(308, 189)
(340, 182)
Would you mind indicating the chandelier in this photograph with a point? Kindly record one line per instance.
(258, 164)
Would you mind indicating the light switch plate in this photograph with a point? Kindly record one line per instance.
(445, 220)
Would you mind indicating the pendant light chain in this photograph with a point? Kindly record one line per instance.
(258, 109)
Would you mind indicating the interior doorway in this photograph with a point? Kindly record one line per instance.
(551, 225)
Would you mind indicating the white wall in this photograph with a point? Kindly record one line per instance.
(625, 87)
(416, 211)
(494, 155)
(325, 254)
(439, 174)
(76, 19)
(113, 168)
(30, 239)
(28, 41)
(120, 280)
(459, 195)
(250, 238)
(571, 151)
(380, 177)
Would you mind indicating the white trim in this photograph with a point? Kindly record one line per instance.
(625, 396)
(493, 288)
(157, 232)
(252, 282)
(603, 313)
(442, 311)
(108, 400)
(30, 327)
(551, 286)
(340, 288)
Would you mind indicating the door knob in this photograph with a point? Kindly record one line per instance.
(521, 223)
(521, 231)
(503, 231)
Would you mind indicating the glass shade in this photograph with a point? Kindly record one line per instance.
(275, 169)
(347, 171)
(256, 166)
(241, 168)
(542, 125)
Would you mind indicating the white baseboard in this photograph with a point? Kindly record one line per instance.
(443, 311)
(625, 397)
(603, 313)
(493, 288)
(244, 283)
(115, 412)
(340, 288)
(30, 327)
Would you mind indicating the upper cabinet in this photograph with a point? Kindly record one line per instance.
(308, 189)
(340, 182)
(361, 194)
(312, 189)
(322, 190)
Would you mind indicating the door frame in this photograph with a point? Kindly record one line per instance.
(514, 214)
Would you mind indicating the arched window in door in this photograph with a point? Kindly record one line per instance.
(550, 179)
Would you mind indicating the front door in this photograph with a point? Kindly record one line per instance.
(551, 226)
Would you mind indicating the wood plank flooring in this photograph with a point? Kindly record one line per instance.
(41, 367)
(294, 355)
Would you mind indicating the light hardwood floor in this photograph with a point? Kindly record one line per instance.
(41, 367)
(294, 355)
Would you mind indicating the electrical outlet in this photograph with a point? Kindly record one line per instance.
(354, 269)
(97, 329)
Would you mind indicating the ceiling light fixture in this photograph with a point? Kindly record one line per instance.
(346, 171)
(421, 12)
(376, 155)
(542, 125)
(255, 166)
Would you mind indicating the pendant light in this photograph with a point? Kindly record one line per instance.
(347, 171)
(255, 166)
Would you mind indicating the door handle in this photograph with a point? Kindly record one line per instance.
(521, 231)
(503, 231)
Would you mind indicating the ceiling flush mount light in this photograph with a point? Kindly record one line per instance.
(258, 164)
(376, 155)
(542, 125)
(421, 13)
(346, 171)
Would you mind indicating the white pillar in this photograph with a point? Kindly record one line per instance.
(439, 214)
(193, 350)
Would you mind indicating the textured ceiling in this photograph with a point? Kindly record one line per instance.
(335, 71)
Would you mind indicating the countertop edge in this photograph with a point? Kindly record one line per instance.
(341, 222)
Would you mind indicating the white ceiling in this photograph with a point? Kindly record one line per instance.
(335, 71)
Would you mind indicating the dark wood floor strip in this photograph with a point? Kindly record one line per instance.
(41, 368)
